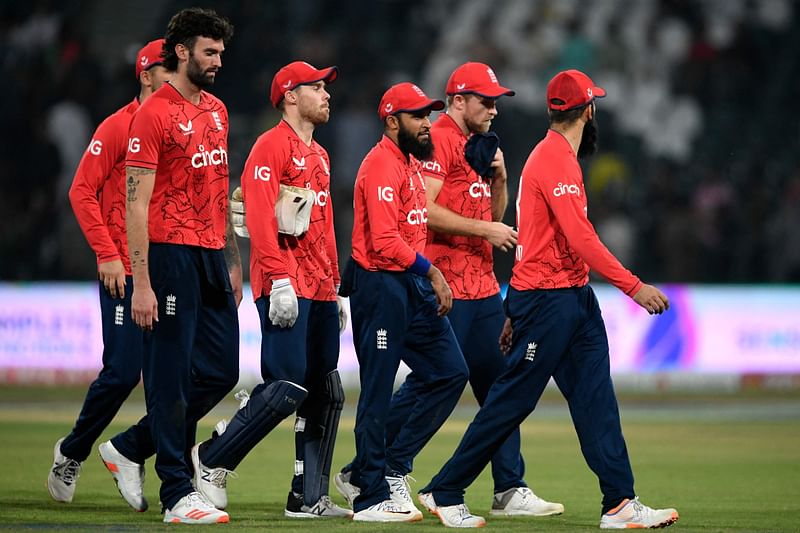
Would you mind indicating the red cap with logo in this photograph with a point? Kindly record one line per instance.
(149, 56)
(298, 73)
(570, 89)
(476, 78)
(407, 98)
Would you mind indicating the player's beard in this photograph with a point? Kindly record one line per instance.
(588, 145)
(477, 127)
(315, 114)
(411, 144)
(202, 79)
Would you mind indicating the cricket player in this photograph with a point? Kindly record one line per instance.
(397, 300)
(294, 274)
(465, 212)
(187, 274)
(97, 196)
(555, 327)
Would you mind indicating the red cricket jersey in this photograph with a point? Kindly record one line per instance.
(187, 146)
(278, 157)
(97, 193)
(557, 243)
(466, 262)
(390, 219)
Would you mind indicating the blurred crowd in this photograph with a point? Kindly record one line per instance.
(698, 174)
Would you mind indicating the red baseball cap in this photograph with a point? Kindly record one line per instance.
(571, 88)
(149, 56)
(476, 78)
(408, 98)
(296, 74)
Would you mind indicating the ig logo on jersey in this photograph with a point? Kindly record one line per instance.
(262, 173)
(134, 145)
(95, 147)
(386, 194)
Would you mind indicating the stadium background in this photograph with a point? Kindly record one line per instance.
(696, 185)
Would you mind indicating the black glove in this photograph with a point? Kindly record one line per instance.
(479, 152)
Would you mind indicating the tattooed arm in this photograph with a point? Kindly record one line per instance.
(139, 182)
(233, 260)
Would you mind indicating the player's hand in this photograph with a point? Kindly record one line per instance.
(112, 276)
(505, 337)
(144, 307)
(342, 314)
(238, 213)
(282, 304)
(444, 296)
(652, 299)
(499, 165)
(236, 284)
(500, 235)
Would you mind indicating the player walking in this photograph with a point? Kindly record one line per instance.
(186, 268)
(97, 196)
(294, 274)
(558, 330)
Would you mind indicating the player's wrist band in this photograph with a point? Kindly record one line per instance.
(420, 266)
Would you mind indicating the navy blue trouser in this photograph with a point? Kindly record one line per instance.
(477, 325)
(394, 318)
(303, 354)
(122, 368)
(558, 333)
(191, 358)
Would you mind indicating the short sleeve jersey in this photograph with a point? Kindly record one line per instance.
(557, 244)
(280, 157)
(97, 193)
(187, 146)
(466, 262)
(390, 213)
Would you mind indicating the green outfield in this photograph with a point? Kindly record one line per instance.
(727, 463)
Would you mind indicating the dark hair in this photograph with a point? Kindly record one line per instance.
(567, 116)
(189, 24)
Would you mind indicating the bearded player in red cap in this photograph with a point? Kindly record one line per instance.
(97, 196)
(397, 299)
(558, 330)
(294, 274)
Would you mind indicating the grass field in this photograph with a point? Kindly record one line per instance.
(727, 463)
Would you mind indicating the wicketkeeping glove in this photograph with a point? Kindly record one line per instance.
(342, 314)
(282, 303)
(237, 213)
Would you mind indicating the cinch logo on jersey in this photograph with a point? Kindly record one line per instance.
(417, 216)
(95, 147)
(563, 189)
(262, 173)
(432, 165)
(385, 194)
(530, 352)
(134, 144)
(479, 188)
(217, 156)
(381, 339)
(321, 197)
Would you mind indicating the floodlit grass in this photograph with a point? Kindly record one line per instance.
(732, 473)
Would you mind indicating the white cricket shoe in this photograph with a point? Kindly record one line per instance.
(63, 475)
(386, 511)
(128, 476)
(633, 514)
(400, 493)
(348, 491)
(426, 499)
(324, 508)
(211, 482)
(458, 516)
(195, 509)
(521, 501)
